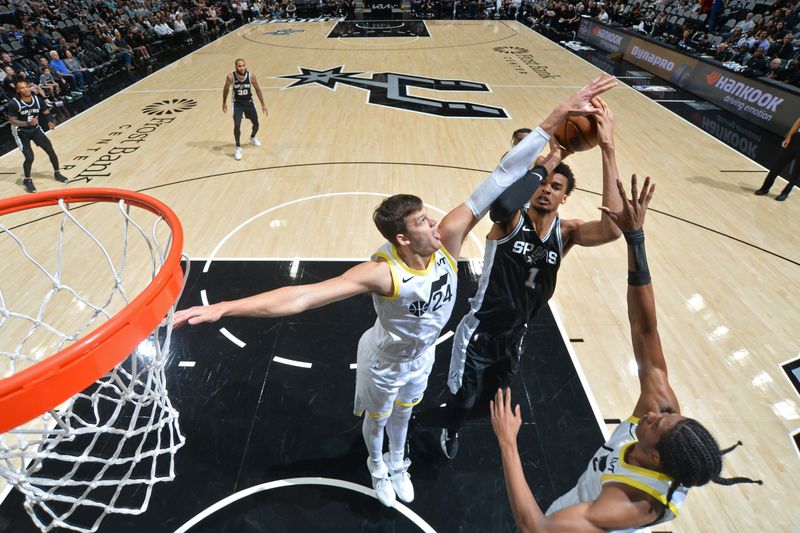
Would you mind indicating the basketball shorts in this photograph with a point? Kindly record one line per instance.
(248, 109)
(381, 384)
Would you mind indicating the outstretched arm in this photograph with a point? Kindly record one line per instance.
(656, 394)
(597, 232)
(614, 509)
(506, 208)
(372, 276)
(515, 163)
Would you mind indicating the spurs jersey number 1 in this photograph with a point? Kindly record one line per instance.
(242, 89)
(411, 319)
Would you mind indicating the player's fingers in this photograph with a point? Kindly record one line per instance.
(508, 399)
(517, 413)
(650, 195)
(645, 189)
(621, 188)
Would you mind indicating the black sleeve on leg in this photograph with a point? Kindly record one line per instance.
(516, 195)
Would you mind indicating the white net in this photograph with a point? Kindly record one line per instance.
(103, 450)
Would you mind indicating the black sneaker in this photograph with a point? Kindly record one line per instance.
(450, 443)
(61, 177)
(762, 191)
(28, 184)
(781, 197)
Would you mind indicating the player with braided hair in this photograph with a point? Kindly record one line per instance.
(641, 476)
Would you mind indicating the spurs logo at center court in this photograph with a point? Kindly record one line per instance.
(390, 89)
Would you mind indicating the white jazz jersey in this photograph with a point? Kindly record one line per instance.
(608, 466)
(411, 319)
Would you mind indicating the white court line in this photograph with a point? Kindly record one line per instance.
(231, 337)
(353, 366)
(204, 297)
(291, 362)
(581, 375)
(674, 101)
(187, 364)
(215, 89)
(222, 242)
(298, 481)
(443, 338)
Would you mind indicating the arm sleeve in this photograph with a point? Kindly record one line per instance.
(516, 195)
(512, 166)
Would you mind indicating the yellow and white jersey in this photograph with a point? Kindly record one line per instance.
(608, 466)
(411, 319)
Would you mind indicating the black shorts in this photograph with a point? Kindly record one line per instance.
(248, 109)
(24, 137)
(499, 352)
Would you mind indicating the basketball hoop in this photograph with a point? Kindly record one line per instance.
(85, 420)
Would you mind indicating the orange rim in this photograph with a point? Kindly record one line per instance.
(44, 385)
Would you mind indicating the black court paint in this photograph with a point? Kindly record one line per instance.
(249, 419)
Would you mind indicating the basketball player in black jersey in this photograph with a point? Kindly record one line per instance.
(523, 253)
(25, 113)
(243, 82)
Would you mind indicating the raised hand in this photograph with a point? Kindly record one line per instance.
(605, 122)
(631, 216)
(505, 422)
(581, 102)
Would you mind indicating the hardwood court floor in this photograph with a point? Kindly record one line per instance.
(725, 263)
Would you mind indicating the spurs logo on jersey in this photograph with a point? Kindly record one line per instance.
(411, 319)
(499, 305)
(242, 91)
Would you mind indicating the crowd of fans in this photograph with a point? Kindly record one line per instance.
(757, 39)
(64, 47)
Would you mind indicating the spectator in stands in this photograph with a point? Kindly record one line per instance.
(775, 71)
(762, 40)
(138, 43)
(47, 82)
(162, 29)
(747, 24)
(757, 63)
(8, 86)
(31, 45)
(60, 71)
(792, 73)
(602, 16)
(686, 42)
(180, 27)
(74, 65)
(784, 48)
(740, 55)
(113, 52)
(291, 9)
(46, 43)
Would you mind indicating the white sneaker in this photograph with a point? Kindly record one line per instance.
(237, 155)
(401, 479)
(381, 483)
(254, 141)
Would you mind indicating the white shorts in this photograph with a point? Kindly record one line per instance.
(381, 384)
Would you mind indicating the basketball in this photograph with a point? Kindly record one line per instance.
(577, 134)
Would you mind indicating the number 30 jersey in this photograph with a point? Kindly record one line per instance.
(519, 276)
(411, 319)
